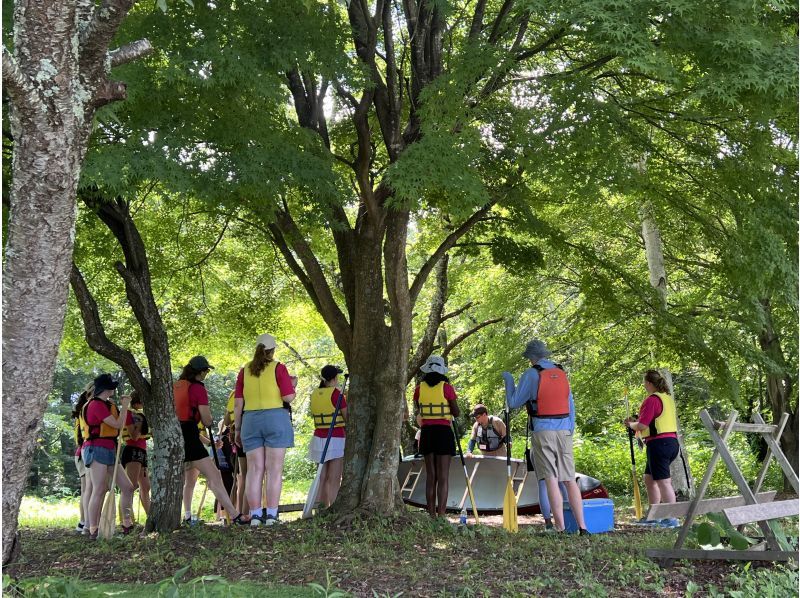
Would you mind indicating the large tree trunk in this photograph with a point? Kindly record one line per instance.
(55, 81)
(780, 387)
(679, 469)
(166, 469)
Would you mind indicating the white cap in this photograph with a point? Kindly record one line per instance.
(436, 364)
(267, 340)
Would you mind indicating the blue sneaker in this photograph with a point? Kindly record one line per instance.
(648, 522)
(669, 522)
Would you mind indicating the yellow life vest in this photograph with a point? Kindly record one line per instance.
(262, 392)
(100, 430)
(144, 428)
(667, 421)
(322, 409)
(432, 404)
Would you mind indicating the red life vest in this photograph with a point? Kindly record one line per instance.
(552, 399)
(184, 411)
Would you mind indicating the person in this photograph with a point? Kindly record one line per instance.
(134, 453)
(435, 401)
(240, 457)
(191, 406)
(546, 387)
(264, 390)
(82, 432)
(488, 432)
(103, 423)
(225, 456)
(323, 404)
(657, 424)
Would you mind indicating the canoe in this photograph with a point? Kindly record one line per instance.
(488, 475)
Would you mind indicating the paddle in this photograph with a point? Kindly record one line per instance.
(466, 475)
(637, 498)
(109, 513)
(509, 500)
(314, 490)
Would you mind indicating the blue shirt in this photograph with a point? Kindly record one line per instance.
(527, 390)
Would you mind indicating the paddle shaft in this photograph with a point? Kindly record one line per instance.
(111, 501)
(637, 499)
(466, 475)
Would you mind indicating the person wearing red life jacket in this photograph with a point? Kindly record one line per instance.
(191, 407)
(545, 387)
(657, 425)
(435, 403)
(322, 406)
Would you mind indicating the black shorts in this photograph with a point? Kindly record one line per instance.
(193, 447)
(133, 454)
(438, 440)
(661, 452)
(240, 452)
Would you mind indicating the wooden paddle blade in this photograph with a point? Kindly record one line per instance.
(472, 497)
(510, 509)
(312, 494)
(108, 517)
(637, 498)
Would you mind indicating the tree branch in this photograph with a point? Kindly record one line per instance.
(96, 37)
(130, 52)
(463, 336)
(457, 312)
(425, 345)
(19, 86)
(445, 246)
(95, 333)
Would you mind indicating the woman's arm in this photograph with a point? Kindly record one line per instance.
(119, 421)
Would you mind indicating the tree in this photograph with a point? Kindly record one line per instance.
(56, 78)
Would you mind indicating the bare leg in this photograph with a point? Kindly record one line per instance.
(322, 491)
(215, 484)
(255, 476)
(274, 468)
(575, 502)
(665, 488)
(333, 473)
(189, 482)
(653, 491)
(442, 482)
(82, 501)
(430, 483)
(133, 470)
(144, 490)
(99, 477)
(125, 497)
(241, 489)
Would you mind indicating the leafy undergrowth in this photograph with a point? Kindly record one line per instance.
(412, 555)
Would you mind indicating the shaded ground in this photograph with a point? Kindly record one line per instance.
(417, 557)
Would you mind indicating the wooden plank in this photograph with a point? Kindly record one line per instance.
(745, 427)
(777, 452)
(762, 512)
(721, 555)
(297, 506)
(765, 466)
(738, 476)
(710, 505)
(701, 491)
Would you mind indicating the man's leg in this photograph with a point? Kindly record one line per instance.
(575, 502)
(557, 506)
(653, 491)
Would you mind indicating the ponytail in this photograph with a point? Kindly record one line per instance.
(655, 378)
(260, 360)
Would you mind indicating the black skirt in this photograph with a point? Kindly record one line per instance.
(193, 447)
(438, 440)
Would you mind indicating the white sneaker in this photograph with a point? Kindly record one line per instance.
(81, 527)
(271, 520)
(255, 521)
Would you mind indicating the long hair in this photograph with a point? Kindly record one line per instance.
(189, 373)
(433, 378)
(135, 399)
(260, 360)
(83, 398)
(655, 378)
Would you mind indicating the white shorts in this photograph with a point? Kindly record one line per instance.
(335, 449)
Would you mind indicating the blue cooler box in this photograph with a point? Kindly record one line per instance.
(598, 513)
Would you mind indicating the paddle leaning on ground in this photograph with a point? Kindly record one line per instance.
(314, 490)
(637, 497)
(466, 475)
(510, 498)
(108, 517)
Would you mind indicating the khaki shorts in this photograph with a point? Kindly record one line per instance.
(80, 466)
(552, 455)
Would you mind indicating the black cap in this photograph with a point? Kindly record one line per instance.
(200, 363)
(329, 372)
(104, 382)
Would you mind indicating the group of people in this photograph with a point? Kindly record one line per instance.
(544, 390)
(251, 443)
(257, 430)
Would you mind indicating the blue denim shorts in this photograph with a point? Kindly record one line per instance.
(104, 456)
(271, 428)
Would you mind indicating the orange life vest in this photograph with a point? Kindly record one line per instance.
(184, 411)
(552, 399)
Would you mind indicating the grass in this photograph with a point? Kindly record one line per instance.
(413, 555)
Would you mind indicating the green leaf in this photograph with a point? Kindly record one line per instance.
(738, 540)
(707, 535)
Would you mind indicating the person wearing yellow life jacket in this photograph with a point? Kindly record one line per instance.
(134, 453)
(191, 407)
(435, 403)
(103, 424)
(81, 432)
(239, 455)
(264, 390)
(657, 425)
(323, 404)
(545, 389)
